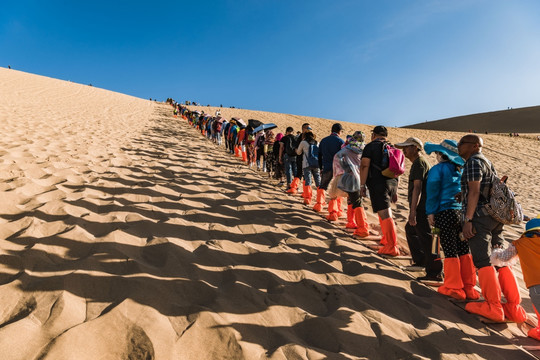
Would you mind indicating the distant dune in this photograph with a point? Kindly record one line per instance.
(522, 120)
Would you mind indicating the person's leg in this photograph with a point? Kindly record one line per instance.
(432, 262)
(307, 176)
(296, 181)
(480, 245)
(326, 177)
(360, 218)
(316, 177)
(388, 228)
(381, 199)
(453, 283)
(288, 169)
(299, 170)
(534, 293)
(415, 248)
(513, 311)
(453, 246)
(320, 202)
(307, 191)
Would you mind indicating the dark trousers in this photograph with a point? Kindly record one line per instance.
(326, 177)
(299, 169)
(419, 240)
(355, 199)
(488, 234)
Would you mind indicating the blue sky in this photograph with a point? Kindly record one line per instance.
(391, 62)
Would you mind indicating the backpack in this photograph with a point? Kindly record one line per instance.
(218, 126)
(289, 148)
(312, 156)
(502, 204)
(393, 161)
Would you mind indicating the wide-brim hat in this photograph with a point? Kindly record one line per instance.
(447, 147)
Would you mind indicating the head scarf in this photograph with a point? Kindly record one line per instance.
(269, 137)
(357, 141)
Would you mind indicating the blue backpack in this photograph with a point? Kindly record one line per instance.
(313, 156)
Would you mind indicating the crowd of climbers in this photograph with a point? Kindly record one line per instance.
(450, 197)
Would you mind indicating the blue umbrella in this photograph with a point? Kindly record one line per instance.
(264, 127)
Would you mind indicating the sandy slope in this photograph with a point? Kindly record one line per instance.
(124, 234)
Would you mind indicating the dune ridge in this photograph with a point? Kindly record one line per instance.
(524, 120)
(124, 234)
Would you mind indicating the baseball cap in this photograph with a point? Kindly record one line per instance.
(411, 141)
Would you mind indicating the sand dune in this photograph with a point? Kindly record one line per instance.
(522, 120)
(124, 234)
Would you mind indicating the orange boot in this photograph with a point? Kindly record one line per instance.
(491, 290)
(361, 222)
(244, 153)
(320, 201)
(535, 332)
(294, 186)
(237, 151)
(307, 194)
(468, 276)
(339, 207)
(332, 210)
(389, 232)
(351, 222)
(383, 237)
(512, 310)
(453, 285)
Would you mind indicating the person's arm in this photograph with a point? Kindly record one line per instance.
(320, 155)
(281, 147)
(364, 171)
(433, 194)
(417, 189)
(300, 148)
(472, 201)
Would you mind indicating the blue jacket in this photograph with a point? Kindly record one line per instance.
(328, 147)
(443, 183)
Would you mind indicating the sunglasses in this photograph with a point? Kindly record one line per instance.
(465, 142)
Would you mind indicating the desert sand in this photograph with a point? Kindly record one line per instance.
(126, 235)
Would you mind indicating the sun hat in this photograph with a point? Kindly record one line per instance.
(447, 147)
(411, 141)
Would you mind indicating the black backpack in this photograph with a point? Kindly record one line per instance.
(289, 147)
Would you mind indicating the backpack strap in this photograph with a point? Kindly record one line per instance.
(376, 166)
